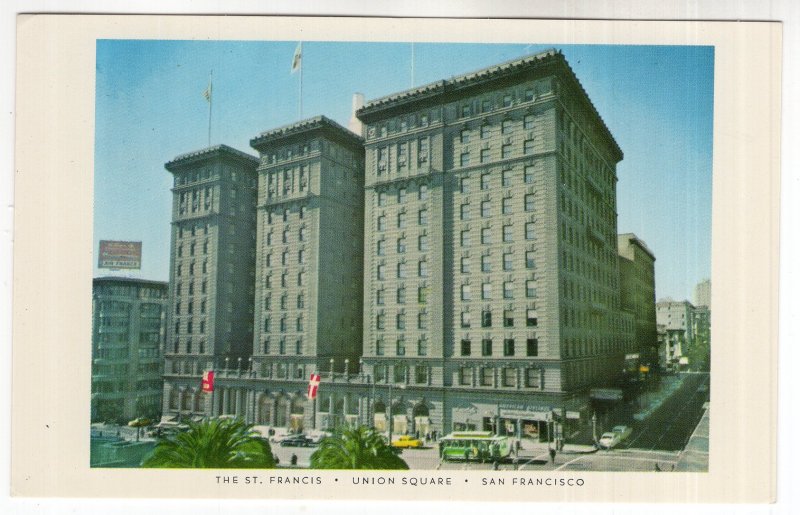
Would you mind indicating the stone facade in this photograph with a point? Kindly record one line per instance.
(212, 272)
(128, 318)
(638, 292)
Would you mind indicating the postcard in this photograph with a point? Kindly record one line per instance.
(305, 258)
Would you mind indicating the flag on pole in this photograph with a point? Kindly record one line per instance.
(297, 60)
(208, 381)
(313, 385)
(207, 93)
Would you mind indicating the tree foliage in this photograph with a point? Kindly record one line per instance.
(214, 443)
(357, 448)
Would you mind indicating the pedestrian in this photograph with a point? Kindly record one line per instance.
(552, 455)
(516, 447)
(496, 465)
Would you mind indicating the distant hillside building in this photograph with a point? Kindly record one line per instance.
(127, 339)
(212, 273)
(676, 317)
(637, 286)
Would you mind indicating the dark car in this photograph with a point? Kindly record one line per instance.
(297, 441)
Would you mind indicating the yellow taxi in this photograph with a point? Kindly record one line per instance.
(407, 441)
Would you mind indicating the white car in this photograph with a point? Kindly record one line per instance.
(608, 440)
(623, 431)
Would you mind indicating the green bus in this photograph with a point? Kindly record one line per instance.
(474, 445)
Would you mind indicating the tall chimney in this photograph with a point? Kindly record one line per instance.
(355, 124)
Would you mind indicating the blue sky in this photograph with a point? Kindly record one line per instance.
(656, 100)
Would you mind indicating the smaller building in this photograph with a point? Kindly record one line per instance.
(702, 293)
(127, 342)
(637, 286)
(676, 331)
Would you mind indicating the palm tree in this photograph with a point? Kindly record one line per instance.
(214, 443)
(359, 448)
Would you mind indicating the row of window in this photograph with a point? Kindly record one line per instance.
(507, 126)
(531, 318)
(301, 302)
(422, 245)
(285, 235)
(282, 347)
(190, 307)
(509, 347)
(531, 291)
(506, 179)
(400, 347)
(201, 347)
(509, 377)
(301, 257)
(506, 152)
(301, 280)
(190, 327)
(283, 324)
(487, 234)
(506, 207)
(400, 321)
(422, 194)
(284, 214)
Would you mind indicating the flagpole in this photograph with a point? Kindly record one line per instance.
(412, 64)
(210, 103)
(302, 58)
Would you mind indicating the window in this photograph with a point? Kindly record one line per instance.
(507, 232)
(464, 265)
(505, 151)
(302, 212)
(508, 318)
(465, 292)
(465, 237)
(379, 297)
(486, 291)
(400, 373)
(507, 126)
(466, 347)
(486, 263)
(465, 319)
(485, 155)
(300, 324)
(486, 208)
(286, 236)
(507, 101)
(509, 375)
(401, 348)
(486, 105)
(529, 202)
(423, 192)
(283, 280)
(531, 319)
(486, 347)
(301, 301)
(466, 110)
(507, 262)
(485, 181)
(302, 234)
(381, 198)
(381, 247)
(423, 243)
(421, 374)
(422, 294)
(422, 321)
(381, 272)
(379, 351)
(465, 376)
(283, 301)
(401, 245)
(401, 195)
(530, 231)
(401, 220)
(506, 180)
(529, 174)
(465, 159)
(423, 217)
(401, 270)
(401, 295)
(528, 122)
(485, 131)
(464, 136)
(380, 321)
(464, 211)
(301, 256)
(486, 318)
(530, 261)
(508, 347)
(530, 289)
(527, 147)
(423, 269)
(283, 324)
(487, 377)
(422, 150)
(285, 215)
(486, 235)
(532, 347)
(532, 378)
(284, 257)
(508, 290)
(382, 223)
(464, 185)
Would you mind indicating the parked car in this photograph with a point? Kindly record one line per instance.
(623, 431)
(297, 441)
(407, 441)
(609, 440)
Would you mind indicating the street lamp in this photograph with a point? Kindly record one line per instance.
(346, 368)
(594, 426)
(331, 368)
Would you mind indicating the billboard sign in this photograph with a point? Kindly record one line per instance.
(120, 254)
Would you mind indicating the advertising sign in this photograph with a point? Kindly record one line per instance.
(120, 254)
